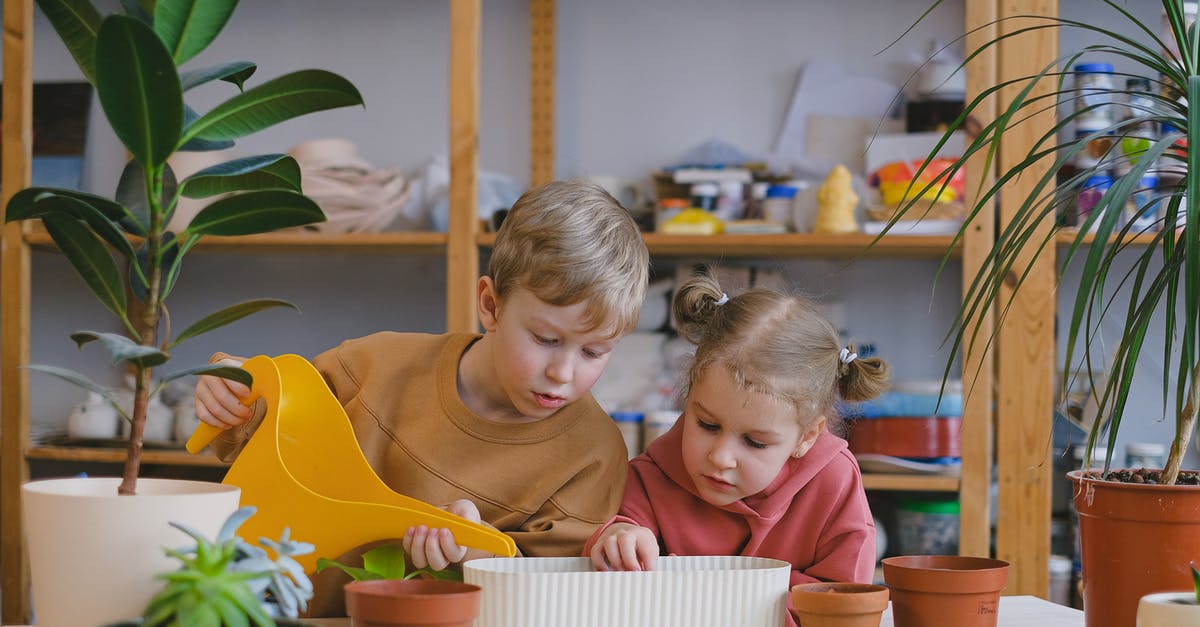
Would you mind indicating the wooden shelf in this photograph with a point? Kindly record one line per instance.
(790, 245)
(392, 242)
(1066, 237)
(116, 455)
(910, 483)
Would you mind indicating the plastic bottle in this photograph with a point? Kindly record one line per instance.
(1093, 94)
(777, 206)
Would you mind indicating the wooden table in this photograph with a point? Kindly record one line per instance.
(1025, 611)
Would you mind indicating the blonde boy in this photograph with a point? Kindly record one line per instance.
(499, 427)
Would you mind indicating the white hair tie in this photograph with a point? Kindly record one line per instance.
(846, 356)
(722, 300)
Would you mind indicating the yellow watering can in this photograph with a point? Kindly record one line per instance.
(304, 470)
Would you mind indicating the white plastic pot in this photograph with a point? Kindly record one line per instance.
(1168, 609)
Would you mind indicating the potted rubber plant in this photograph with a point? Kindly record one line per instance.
(1148, 522)
(128, 259)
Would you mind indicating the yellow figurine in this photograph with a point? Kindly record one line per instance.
(836, 202)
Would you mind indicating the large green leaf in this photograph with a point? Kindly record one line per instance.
(236, 72)
(91, 260)
(197, 144)
(230, 314)
(386, 560)
(121, 348)
(77, 22)
(20, 206)
(50, 203)
(289, 96)
(131, 193)
(255, 212)
(139, 89)
(187, 26)
(248, 173)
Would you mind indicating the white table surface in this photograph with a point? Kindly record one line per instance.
(1024, 611)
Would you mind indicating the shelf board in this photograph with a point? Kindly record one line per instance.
(164, 457)
(910, 483)
(1066, 237)
(391, 242)
(789, 245)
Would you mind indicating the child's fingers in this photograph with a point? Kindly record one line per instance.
(217, 406)
(464, 508)
(647, 551)
(452, 552)
(627, 551)
(417, 550)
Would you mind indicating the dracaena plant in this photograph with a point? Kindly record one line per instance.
(1165, 277)
(121, 245)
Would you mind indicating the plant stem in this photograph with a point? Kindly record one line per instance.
(1183, 432)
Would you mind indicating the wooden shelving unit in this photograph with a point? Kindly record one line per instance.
(115, 455)
(790, 245)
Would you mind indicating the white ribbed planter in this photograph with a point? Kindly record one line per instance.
(93, 555)
(1168, 609)
(681, 592)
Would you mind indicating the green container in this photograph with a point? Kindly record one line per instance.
(926, 527)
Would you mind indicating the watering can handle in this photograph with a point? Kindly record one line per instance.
(206, 433)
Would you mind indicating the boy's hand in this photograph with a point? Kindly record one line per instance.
(435, 548)
(218, 401)
(623, 546)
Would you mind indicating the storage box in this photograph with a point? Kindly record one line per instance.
(715, 591)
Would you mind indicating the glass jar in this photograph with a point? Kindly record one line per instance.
(1093, 94)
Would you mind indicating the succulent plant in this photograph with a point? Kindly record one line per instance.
(230, 582)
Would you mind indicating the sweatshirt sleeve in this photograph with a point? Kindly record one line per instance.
(846, 550)
(635, 509)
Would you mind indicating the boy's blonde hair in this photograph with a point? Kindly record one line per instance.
(569, 242)
(775, 344)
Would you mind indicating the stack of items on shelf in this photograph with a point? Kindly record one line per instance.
(908, 429)
(355, 196)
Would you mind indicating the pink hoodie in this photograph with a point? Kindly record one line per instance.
(814, 515)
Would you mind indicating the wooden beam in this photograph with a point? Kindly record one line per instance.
(1026, 347)
(16, 151)
(977, 365)
(462, 255)
(541, 91)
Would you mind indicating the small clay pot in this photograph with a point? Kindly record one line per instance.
(830, 604)
(411, 603)
(945, 589)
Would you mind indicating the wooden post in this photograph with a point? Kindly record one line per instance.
(541, 91)
(1025, 337)
(974, 521)
(16, 151)
(462, 252)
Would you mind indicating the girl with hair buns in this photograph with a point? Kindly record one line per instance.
(751, 468)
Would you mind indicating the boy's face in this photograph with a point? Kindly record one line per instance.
(545, 355)
(736, 441)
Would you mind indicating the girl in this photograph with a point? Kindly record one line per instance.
(751, 468)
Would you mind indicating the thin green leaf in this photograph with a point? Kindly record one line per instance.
(121, 348)
(186, 27)
(236, 72)
(216, 370)
(357, 574)
(275, 101)
(75, 378)
(91, 260)
(255, 212)
(245, 174)
(77, 22)
(132, 190)
(139, 89)
(73, 207)
(230, 314)
(1195, 580)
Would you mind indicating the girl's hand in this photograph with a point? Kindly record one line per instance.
(623, 546)
(218, 401)
(435, 548)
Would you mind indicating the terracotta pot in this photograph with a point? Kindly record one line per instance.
(944, 589)
(839, 604)
(411, 603)
(1168, 609)
(1135, 539)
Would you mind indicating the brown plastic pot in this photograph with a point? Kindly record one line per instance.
(1135, 539)
(411, 603)
(829, 604)
(945, 589)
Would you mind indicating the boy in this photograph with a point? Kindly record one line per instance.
(499, 428)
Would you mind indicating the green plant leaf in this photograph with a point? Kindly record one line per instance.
(1196, 580)
(245, 174)
(386, 560)
(187, 26)
(255, 212)
(91, 260)
(139, 89)
(197, 144)
(275, 101)
(131, 193)
(75, 378)
(21, 205)
(72, 207)
(357, 574)
(230, 314)
(121, 348)
(77, 22)
(216, 370)
(235, 72)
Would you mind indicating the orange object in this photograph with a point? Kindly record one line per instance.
(304, 470)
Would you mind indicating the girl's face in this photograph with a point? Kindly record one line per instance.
(736, 441)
